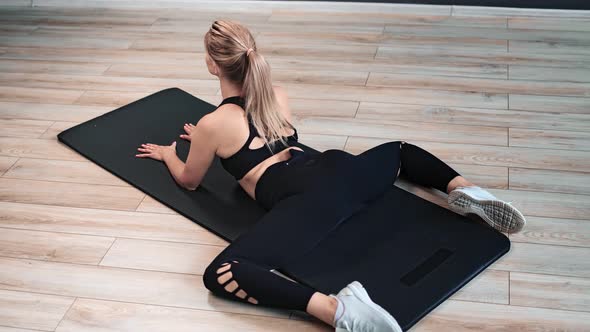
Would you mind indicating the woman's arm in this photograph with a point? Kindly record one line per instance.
(201, 154)
(176, 168)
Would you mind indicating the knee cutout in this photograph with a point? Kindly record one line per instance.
(223, 269)
(225, 278)
(241, 294)
(232, 286)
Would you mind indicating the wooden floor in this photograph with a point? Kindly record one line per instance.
(502, 95)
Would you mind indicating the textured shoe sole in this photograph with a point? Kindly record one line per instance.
(498, 214)
(359, 292)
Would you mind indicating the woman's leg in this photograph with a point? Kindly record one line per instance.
(384, 163)
(422, 167)
(291, 228)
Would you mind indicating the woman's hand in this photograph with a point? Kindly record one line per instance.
(157, 152)
(188, 128)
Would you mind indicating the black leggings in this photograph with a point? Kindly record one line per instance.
(308, 196)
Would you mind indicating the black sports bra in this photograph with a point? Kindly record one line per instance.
(241, 162)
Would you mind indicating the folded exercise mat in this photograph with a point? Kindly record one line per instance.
(409, 253)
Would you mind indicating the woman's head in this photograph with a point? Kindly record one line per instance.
(227, 44)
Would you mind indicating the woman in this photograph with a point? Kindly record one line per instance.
(307, 194)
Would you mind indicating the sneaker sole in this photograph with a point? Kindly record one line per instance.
(498, 214)
(359, 292)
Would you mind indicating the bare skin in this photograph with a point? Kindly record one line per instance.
(320, 305)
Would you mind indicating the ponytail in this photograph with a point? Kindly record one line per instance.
(261, 101)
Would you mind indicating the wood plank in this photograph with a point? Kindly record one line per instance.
(126, 285)
(552, 104)
(379, 18)
(316, 107)
(50, 112)
(509, 12)
(543, 204)
(256, 24)
(553, 74)
(37, 148)
(549, 23)
(161, 256)
(398, 95)
(70, 17)
(551, 47)
(248, 7)
(120, 32)
(278, 75)
(275, 46)
(53, 67)
(549, 139)
(557, 231)
(566, 160)
(545, 291)
(106, 223)
(99, 315)
(38, 95)
(463, 316)
(312, 39)
(395, 130)
(489, 286)
(63, 171)
(74, 42)
(545, 259)
(33, 311)
(485, 33)
(13, 329)
(25, 3)
(499, 86)
(549, 181)
(53, 247)
(23, 128)
(96, 55)
(8, 29)
(70, 194)
(473, 116)
(481, 56)
(90, 82)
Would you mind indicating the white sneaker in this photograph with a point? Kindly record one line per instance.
(498, 214)
(361, 314)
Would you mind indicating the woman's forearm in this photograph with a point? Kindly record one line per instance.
(176, 167)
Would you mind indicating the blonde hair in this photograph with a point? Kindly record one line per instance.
(227, 43)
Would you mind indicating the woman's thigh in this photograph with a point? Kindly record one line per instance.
(377, 169)
(293, 226)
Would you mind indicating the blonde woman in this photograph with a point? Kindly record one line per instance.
(306, 194)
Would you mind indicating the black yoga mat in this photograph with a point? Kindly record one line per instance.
(409, 253)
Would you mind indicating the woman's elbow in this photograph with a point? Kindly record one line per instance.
(191, 187)
(187, 185)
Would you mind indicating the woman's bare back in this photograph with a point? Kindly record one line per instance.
(234, 139)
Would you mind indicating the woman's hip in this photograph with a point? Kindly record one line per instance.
(362, 176)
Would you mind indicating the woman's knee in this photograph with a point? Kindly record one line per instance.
(212, 273)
